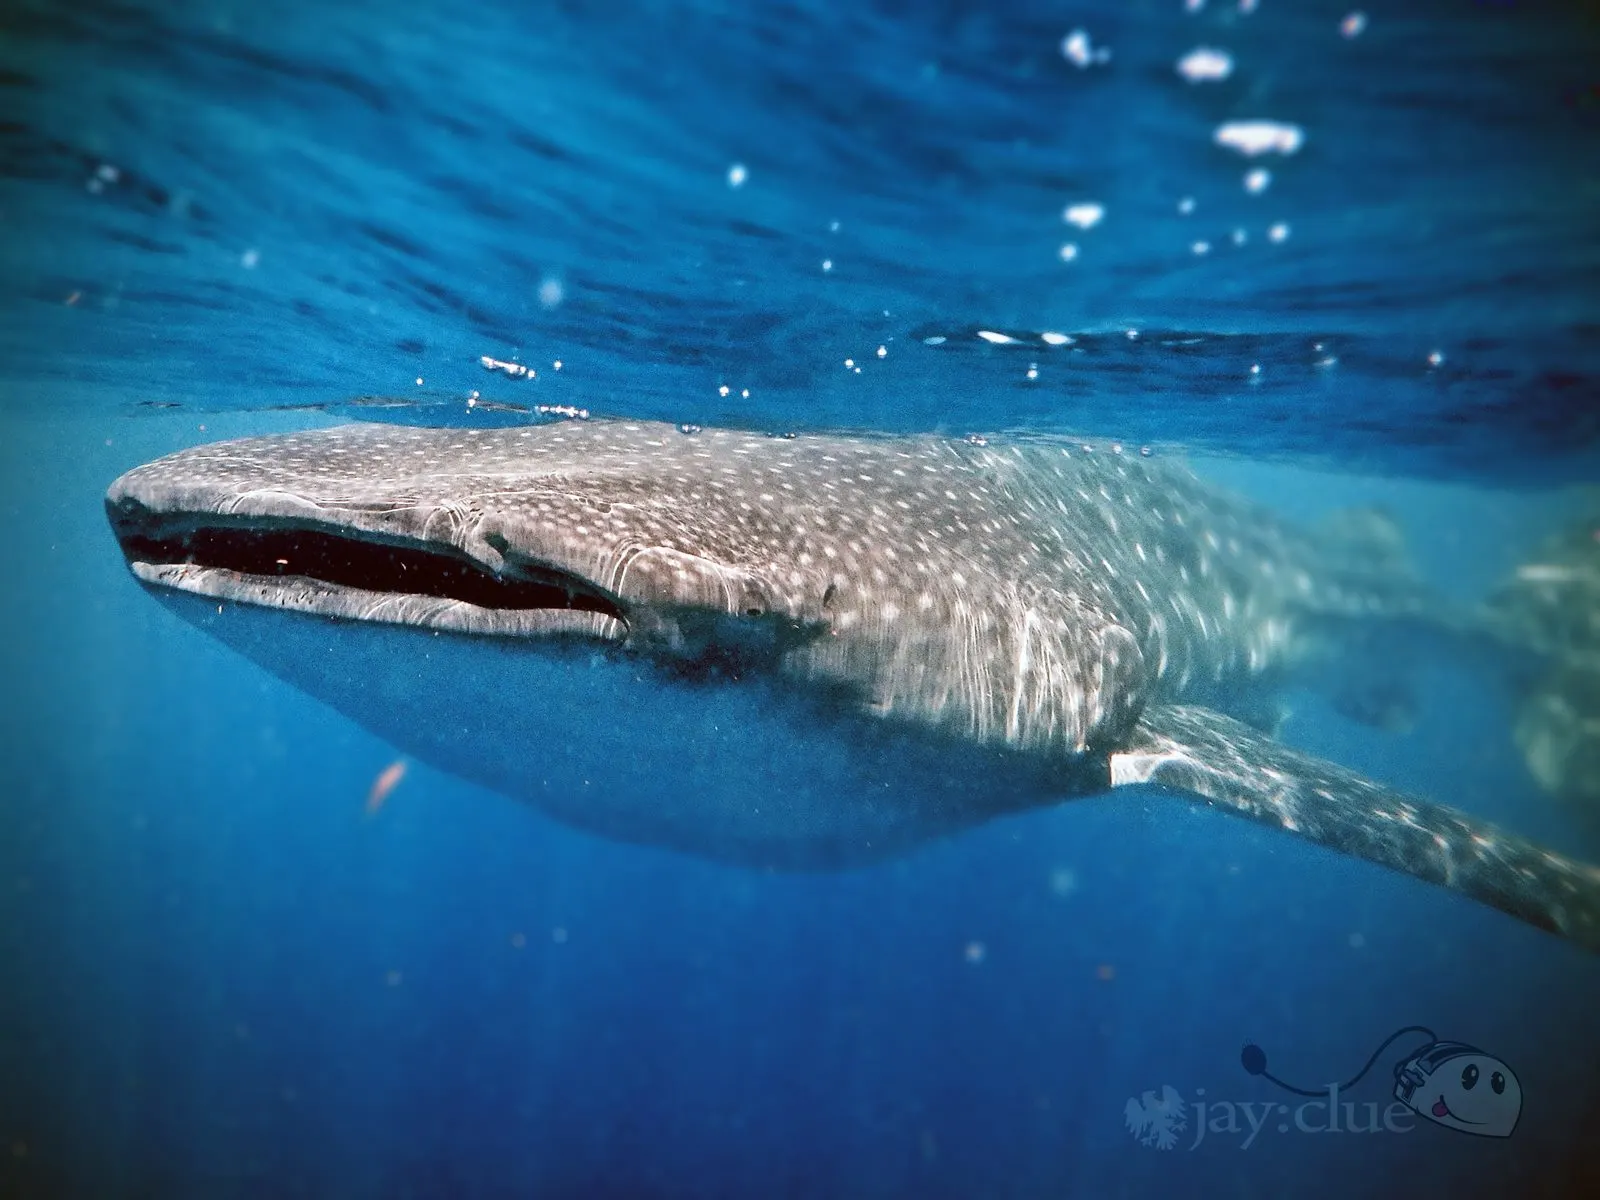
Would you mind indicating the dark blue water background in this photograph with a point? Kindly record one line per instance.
(222, 979)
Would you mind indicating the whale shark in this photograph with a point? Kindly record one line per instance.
(808, 651)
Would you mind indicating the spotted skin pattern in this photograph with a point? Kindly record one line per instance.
(1057, 600)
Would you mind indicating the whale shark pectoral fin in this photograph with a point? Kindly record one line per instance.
(1228, 763)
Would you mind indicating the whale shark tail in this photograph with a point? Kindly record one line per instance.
(1374, 622)
(1227, 763)
(1558, 731)
(1367, 537)
(1548, 612)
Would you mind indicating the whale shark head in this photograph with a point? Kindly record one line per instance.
(846, 564)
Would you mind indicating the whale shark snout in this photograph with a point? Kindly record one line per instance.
(232, 551)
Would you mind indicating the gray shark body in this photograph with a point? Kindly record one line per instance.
(808, 651)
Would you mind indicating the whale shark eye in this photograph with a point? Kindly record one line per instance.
(1498, 1082)
(1469, 1076)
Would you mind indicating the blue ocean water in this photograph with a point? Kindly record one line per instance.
(223, 978)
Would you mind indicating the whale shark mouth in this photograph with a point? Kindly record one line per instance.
(340, 571)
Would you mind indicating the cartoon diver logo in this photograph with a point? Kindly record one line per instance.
(1461, 1087)
(1450, 1083)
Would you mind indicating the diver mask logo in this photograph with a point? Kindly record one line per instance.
(1449, 1083)
(1460, 1087)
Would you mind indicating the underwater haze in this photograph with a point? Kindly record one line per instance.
(1337, 256)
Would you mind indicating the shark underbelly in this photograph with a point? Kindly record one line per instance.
(753, 771)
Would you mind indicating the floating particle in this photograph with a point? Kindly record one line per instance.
(1057, 339)
(556, 366)
(1205, 64)
(519, 940)
(975, 952)
(1239, 237)
(833, 227)
(419, 380)
(1078, 50)
(883, 351)
(1069, 251)
(388, 779)
(1201, 247)
(1357, 940)
(514, 369)
(1133, 335)
(1257, 180)
(558, 935)
(1105, 972)
(250, 258)
(551, 292)
(737, 174)
(937, 339)
(1436, 359)
(849, 362)
(1033, 370)
(1255, 368)
(1278, 232)
(997, 339)
(744, 393)
(1252, 138)
(1353, 25)
(1186, 205)
(393, 978)
(723, 390)
(1085, 215)
(827, 264)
